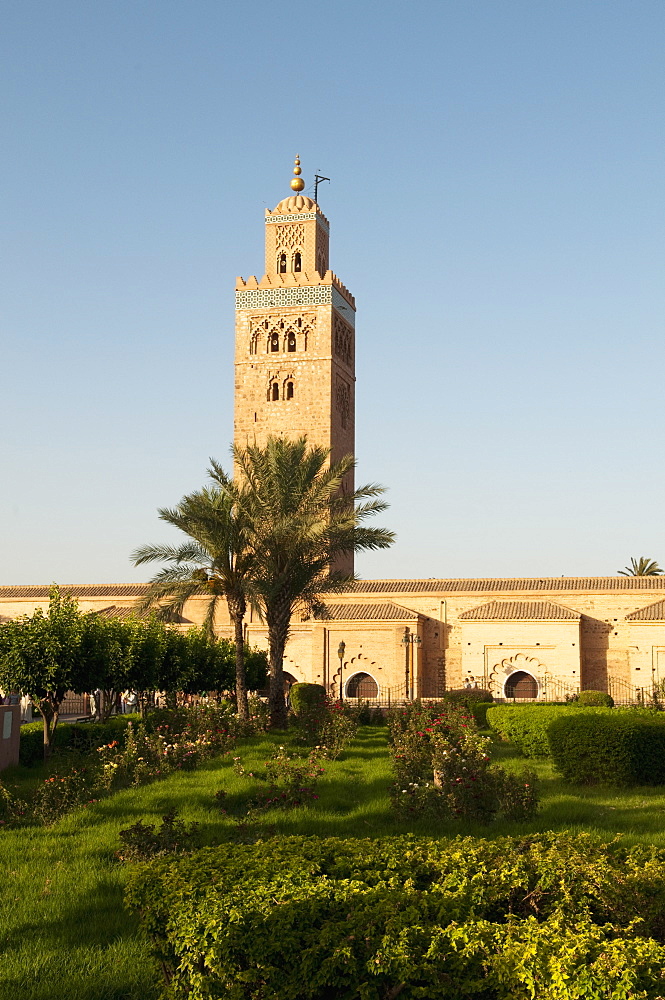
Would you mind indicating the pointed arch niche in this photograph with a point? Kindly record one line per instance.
(361, 685)
(516, 678)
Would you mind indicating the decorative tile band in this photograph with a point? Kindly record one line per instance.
(298, 217)
(309, 295)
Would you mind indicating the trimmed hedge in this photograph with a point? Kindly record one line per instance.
(304, 918)
(475, 700)
(623, 748)
(595, 698)
(478, 710)
(69, 736)
(307, 698)
(527, 725)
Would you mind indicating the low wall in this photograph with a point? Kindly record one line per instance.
(10, 734)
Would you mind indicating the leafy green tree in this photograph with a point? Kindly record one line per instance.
(41, 656)
(105, 649)
(642, 567)
(146, 648)
(215, 561)
(176, 664)
(297, 521)
(211, 665)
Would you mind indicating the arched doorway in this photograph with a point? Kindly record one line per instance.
(289, 681)
(362, 685)
(521, 685)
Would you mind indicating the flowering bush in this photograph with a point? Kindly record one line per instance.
(291, 782)
(59, 794)
(443, 768)
(291, 772)
(427, 718)
(330, 729)
(172, 740)
(216, 722)
(474, 789)
(412, 733)
(463, 777)
(338, 728)
(259, 714)
(148, 755)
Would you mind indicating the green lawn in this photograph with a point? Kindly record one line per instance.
(65, 932)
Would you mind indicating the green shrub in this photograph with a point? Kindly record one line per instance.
(143, 841)
(306, 698)
(526, 726)
(595, 698)
(80, 736)
(478, 710)
(624, 748)
(467, 696)
(305, 918)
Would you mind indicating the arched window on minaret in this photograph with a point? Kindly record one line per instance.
(297, 262)
(291, 342)
(289, 390)
(274, 343)
(281, 263)
(273, 392)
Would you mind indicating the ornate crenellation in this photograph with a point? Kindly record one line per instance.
(298, 289)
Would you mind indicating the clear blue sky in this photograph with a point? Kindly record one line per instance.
(497, 209)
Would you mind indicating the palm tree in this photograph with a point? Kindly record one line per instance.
(642, 567)
(214, 561)
(299, 521)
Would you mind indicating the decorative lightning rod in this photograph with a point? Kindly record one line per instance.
(317, 180)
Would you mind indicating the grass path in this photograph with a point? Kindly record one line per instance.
(63, 927)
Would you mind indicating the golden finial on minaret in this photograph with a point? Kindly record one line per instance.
(297, 184)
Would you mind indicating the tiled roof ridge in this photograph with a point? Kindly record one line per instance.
(507, 584)
(387, 586)
(80, 589)
(524, 610)
(377, 611)
(650, 613)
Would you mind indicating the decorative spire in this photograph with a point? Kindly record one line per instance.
(297, 184)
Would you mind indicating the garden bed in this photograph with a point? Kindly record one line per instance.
(66, 932)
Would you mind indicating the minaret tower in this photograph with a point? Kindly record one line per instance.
(295, 336)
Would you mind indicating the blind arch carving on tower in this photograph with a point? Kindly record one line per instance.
(291, 334)
(343, 340)
(343, 401)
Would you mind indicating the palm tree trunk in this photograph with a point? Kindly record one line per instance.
(237, 608)
(241, 680)
(278, 630)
